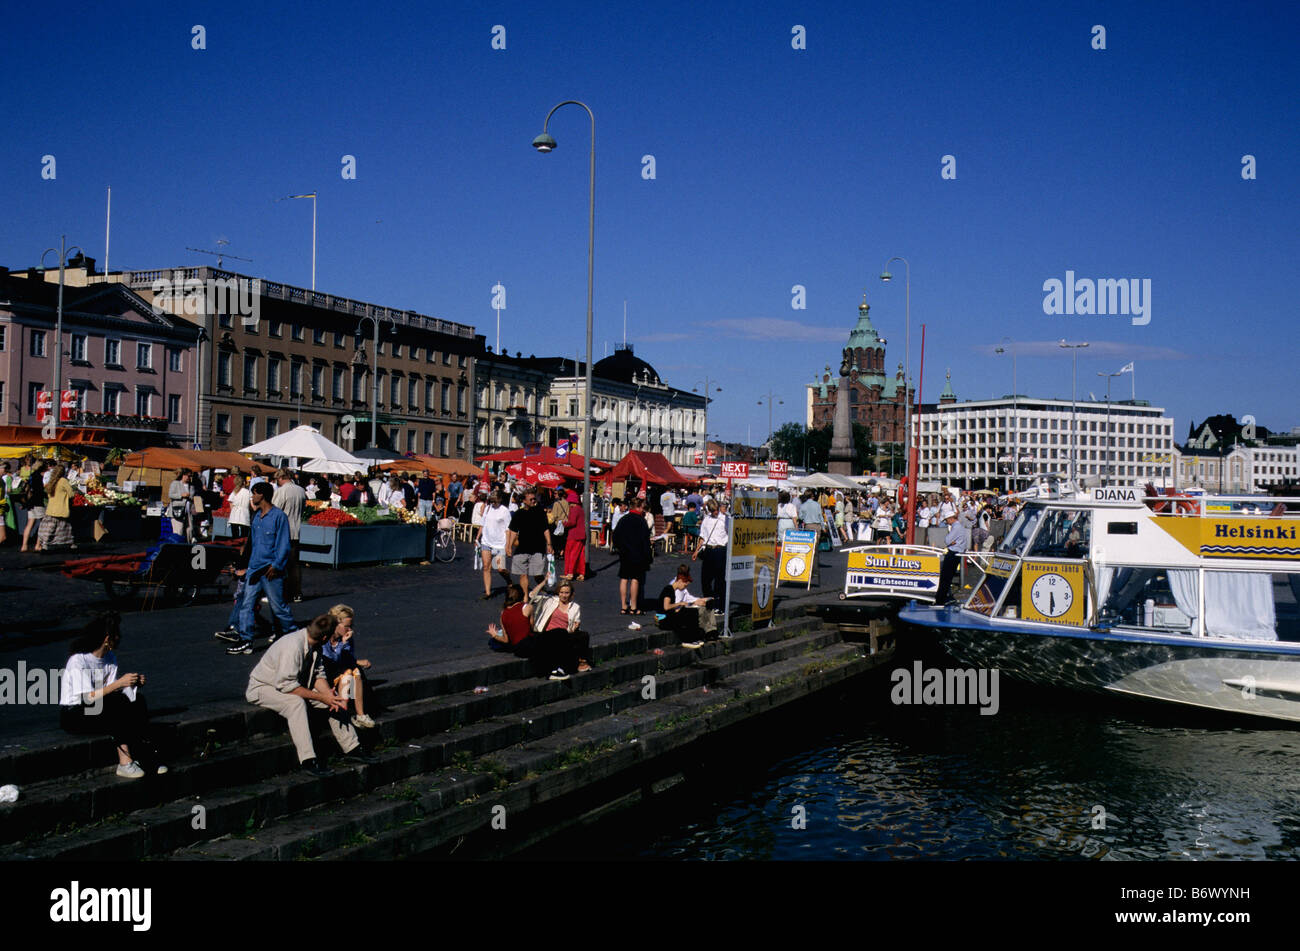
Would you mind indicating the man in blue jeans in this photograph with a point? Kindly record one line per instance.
(268, 560)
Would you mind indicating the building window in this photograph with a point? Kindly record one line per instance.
(272, 426)
(2, 337)
(223, 320)
(317, 382)
(78, 348)
(274, 328)
(573, 407)
(223, 370)
(460, 361)
(174, 359)
(413, 394)
(173, 408)
(446, 397)
(410, 441)
(460, 399)
(38, 343)
(223, 424)
(432, 355)
(113, 354)
(143, 399)
(338, 383)
(446, 359)
(111, 400)
(395, 391)
(144, 356)
(397, 349)
(273, 375)
(358, 382)
(415, 352)
(250, 430)
(553, 408)
(428, 443)
(318, 337)
(33, 397)
(250, 372)
(460, 442)
(428, 396)
(295, 332)
(338, 340)
(442, 444)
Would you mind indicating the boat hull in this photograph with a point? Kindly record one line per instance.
(1260, 680)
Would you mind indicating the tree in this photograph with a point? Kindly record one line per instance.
(795, 444)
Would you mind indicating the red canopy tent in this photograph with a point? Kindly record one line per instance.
(65, 436)
(535, 473)
(547, 456)
(649, 467)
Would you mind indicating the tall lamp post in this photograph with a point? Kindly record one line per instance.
(312, 196)
(708, 389)
(1015, 413)
(886, 277)
(1074, 348)
(769, 396)
(545, 143)
(374, 370)
(1108, 376)
(62, 251)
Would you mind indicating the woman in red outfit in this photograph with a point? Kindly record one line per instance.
(575, 544)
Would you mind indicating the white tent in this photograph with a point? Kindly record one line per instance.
(334, 466)
(304, 442)
(825, 480)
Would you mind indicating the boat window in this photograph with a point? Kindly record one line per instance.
(1251, 605)
(1122, 528)
(1164, 599)
(1022, 529)
(1065, 534)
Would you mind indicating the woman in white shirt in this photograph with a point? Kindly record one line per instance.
(787, 515)
(241, 509)
(93, 699)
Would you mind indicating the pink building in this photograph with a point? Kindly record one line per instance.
(131, 368)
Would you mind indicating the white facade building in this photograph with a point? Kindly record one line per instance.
(971, 443)
(1243, 470)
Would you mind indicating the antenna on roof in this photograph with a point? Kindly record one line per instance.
(220, 255)
(624, 323)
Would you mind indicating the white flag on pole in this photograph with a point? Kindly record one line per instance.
(1127, 368)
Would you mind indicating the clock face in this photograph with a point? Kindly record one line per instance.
(763, 586)
(1051, 595)
(795, 566)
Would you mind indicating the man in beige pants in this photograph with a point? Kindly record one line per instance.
(279, 683)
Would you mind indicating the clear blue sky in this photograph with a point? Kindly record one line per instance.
(774, 167)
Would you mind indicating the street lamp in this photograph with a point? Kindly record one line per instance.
(769, 397)
(707, 400)
(1015, 403)
(374, 370)
(545, 143)
(312, 196)
(1074, 348)
(62, 251)
(886, 277)
(1108, 377)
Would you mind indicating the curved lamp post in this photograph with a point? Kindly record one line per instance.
(1074, 373)
(374, 372)
(545, 143)
(62, 251)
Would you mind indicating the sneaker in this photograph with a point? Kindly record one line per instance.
(298, 600)
(314, 768)
(131, 770)
(160, 770)
(229, 634)
(692, 645)
(363, 721)
(271, 641)
(243, 647)
(559, 674)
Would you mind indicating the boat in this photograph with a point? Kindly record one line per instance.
(1180, 599)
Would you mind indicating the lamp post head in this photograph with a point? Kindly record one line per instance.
(886, 276)
(999, 350)
(544, 143)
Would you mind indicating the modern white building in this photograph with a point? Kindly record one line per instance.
(972, 443)
(1243, 470)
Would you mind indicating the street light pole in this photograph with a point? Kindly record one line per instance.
(1108, 377)
(312, 196)
(545, 143)
(374, 371)
(1074, 348)
(886, 277)
(62, 251)
(1015, 415)
(707, 400)
(769, 396)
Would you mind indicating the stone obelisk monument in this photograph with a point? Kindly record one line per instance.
(842, 450)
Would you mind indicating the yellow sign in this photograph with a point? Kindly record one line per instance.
(892, 573)
(1241, 537)
(764, 604)
(753, 532)
(1052, 591)
(893, 563)
(1001, 567)
(798, 556)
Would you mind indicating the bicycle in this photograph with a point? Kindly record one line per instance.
(444, 541)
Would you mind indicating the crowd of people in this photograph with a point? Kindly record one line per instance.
(36, 499)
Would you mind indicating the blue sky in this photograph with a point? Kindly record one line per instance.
(774, 167)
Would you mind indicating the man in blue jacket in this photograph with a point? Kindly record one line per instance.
(268, 561)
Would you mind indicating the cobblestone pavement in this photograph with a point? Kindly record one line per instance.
(407, 615)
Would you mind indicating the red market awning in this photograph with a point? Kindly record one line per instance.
(535, 473)
(649, 467)
(65, 436)
(547, 456)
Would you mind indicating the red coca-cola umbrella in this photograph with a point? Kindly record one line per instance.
(535, 473)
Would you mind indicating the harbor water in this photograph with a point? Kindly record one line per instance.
(1050, 776)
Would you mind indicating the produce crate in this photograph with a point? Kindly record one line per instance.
(359, 544)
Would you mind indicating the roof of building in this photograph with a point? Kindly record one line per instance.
(864, 336)
(624, 366)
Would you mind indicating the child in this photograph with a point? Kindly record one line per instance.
(691, 527)
(342, 669)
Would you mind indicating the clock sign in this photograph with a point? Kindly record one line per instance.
(1052, 595)
(1053, 591)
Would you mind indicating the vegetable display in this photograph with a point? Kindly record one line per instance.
(333, 518)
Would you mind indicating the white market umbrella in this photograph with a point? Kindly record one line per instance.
(304, 442)
(825, 480)
(335, 466)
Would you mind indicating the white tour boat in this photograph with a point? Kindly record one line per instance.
(1189, 600)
